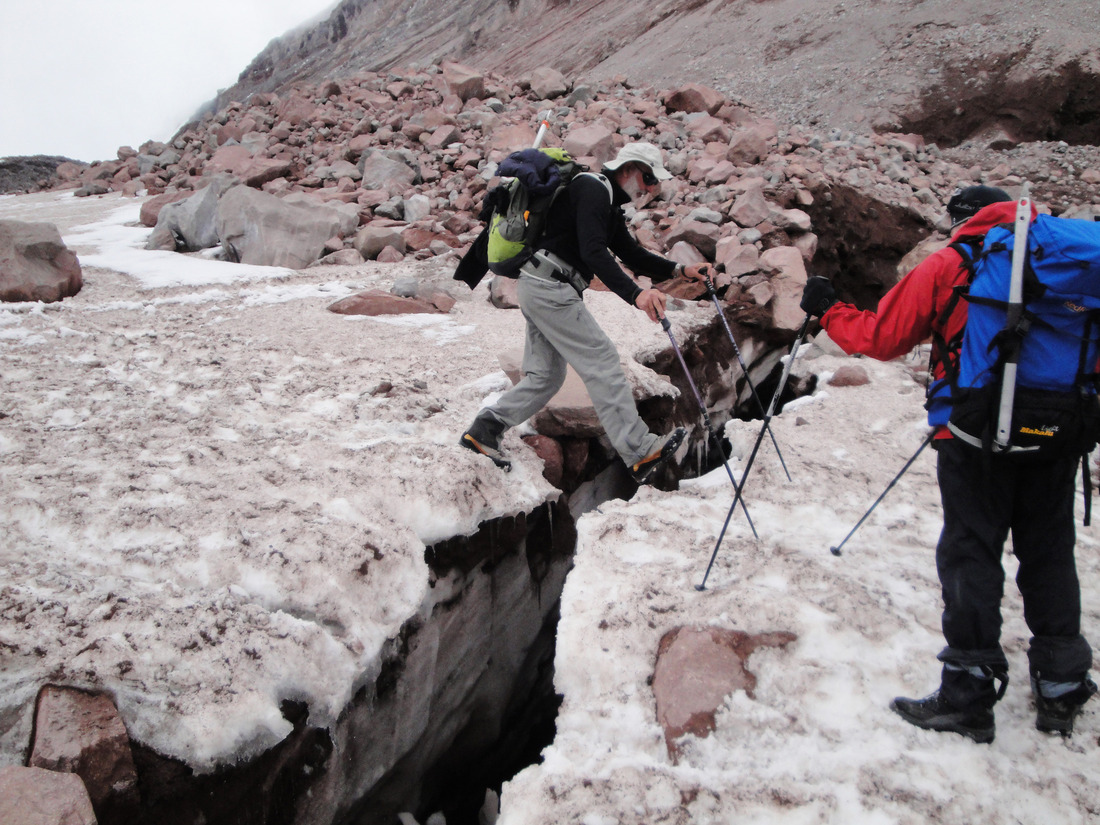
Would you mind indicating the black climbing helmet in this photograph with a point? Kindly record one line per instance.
(965, 203)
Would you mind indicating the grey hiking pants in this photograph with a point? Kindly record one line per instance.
(560, 331)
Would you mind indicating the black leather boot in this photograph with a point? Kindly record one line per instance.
(935, 713)
(1056, 715)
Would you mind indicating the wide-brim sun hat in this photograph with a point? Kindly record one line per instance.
(645, 153)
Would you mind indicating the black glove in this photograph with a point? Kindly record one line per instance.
(818, 296)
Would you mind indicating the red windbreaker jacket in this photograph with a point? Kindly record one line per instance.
(910, 312)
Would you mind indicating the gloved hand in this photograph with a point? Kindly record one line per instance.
(818, 296)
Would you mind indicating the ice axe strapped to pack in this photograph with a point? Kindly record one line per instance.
(1025, 382)
(1027, 377)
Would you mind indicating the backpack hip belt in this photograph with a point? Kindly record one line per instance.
(546, 266)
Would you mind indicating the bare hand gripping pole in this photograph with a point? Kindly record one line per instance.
(744, 368)
(706, 417)
(756, 447)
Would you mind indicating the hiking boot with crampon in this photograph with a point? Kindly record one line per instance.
(1056, 715)
(934, 713)
(664, 450)
(484, 437)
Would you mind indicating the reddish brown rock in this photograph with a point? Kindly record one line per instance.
(33, 796)
(702, 236)
(747, 146)
(82, 733)
(376, 302)
(850, 375)
(553, 458)
(593, 141)
(463, 81)
(693, 97)
(697, 668)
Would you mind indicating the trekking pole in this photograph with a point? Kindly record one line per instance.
(756, 447)
(706, 416)
(744, 367)
(927, 440)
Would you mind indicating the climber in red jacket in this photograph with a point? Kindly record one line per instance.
(980, 507)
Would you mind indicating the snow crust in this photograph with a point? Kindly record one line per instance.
(216, 495)
(818, 742)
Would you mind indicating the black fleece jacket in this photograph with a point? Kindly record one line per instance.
(584, 227)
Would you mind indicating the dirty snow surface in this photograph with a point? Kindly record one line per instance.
(216, 494)
(210, 505)
(818, 742)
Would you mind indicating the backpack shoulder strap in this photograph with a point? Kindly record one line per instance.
(602, 179)
(945, 351)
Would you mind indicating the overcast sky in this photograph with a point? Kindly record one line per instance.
(80, 78)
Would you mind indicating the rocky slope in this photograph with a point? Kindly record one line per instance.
(947, 70)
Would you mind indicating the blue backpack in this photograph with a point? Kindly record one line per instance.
(1045, 348)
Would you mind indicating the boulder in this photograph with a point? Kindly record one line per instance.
(591, 141)
(346, 213)
(553, 458)
(751, 208)
(702, 236)
(258, 228)
(548, 83)
(373, 238)
(238, 161)
(193, 221)
(850, 375)
(693, 97)
(738, 259)
(376, 302)
(33, 796)
(150, 210)
(746, 147)
(381, 172)
(342, 257)
(787, 272)
(463, 81)
(707, 128)
(295, 109)
(793, 221)
(82, 733)
(35, 264)
(502, 293)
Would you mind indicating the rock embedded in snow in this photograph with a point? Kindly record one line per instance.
(697, 668)
(375, 302)
(850, 375)
(35, 264)
(82, 733)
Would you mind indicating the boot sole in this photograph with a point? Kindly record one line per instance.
(470, 443)
(644, 468)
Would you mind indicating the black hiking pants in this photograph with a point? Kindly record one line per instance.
(982, 503)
